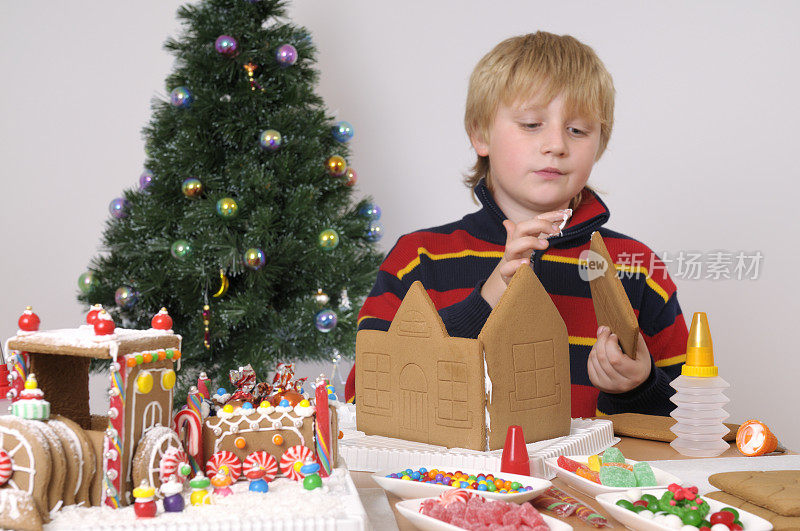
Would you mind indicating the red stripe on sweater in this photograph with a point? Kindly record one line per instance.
(382, 306)
(674, 336)
(584, 400)
(406, 250)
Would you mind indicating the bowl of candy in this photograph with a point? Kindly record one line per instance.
(677, 507)
(462, 509)
(422, 482)
(609, 472)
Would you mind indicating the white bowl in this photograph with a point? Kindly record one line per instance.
(663, 479)
(410, 509)
(407, 489)
(632, 520)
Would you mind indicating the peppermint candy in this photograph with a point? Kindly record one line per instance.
(292, 456)
(261, 460)
(6, 467)
(171, 464)
(224, 458)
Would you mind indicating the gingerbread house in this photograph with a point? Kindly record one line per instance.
(415, 382)
(141, 380)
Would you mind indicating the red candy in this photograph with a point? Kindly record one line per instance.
(568, 464)
(722, 517)
(480, 512)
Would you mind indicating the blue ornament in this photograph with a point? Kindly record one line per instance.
(145, 179)
(325, 320)
(119, 207)
(343, 131)
(375, 231)
(259, 485)
(286, 55)
(371, 211)
(227, 46)
(181, 97)
(270, 139)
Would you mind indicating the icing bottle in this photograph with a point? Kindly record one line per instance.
(699, 397)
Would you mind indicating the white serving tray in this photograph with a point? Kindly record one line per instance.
(663, 479)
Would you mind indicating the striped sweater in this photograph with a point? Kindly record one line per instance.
(454, 260)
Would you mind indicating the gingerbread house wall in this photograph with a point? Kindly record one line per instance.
(415, 382)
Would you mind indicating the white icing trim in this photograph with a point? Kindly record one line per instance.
(64, 429)
(487, 384)
(244, 424)
(23, 443)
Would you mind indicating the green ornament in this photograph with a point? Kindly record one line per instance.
(192, 188)
(227, 208)
(328, 239)
(87, 282)
(312, 481)
(180, 249)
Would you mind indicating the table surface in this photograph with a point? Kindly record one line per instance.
(636, 449)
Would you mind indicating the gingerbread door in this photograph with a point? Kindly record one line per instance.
(413, 401)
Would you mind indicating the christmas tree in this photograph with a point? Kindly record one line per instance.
(243, 224)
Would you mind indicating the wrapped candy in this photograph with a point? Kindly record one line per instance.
(244, 380)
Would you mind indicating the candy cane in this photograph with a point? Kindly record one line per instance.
(261, 460)
(193, 439)
(295, 454)
(170, 465)
(6, 467)
(224, 458)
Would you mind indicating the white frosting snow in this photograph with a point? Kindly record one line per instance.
(487, 383)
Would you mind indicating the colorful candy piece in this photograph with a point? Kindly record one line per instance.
(322, 431)
(294, 458)
(591, 475)
(613, 455)
(626, 466)
(595, 462)
(224, 458)
(568, 464)
(582, 511)
(261, 460)
(615, 476)
(644, 475)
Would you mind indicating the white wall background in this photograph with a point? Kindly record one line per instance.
(702, 156)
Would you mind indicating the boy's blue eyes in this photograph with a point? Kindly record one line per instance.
(573, 130)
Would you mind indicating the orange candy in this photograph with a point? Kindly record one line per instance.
(148, 357)
(498, 483)
(240, 442)
(277, 439)
(177, 355)
(130, 362)
(591, 475)
(162, 355)
(621, 465)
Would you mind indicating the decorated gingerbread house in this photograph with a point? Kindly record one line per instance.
(415, 382)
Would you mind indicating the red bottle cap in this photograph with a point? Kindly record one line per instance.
(515, 459)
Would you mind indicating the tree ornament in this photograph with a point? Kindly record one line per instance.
(321, 297)
(28, 321)
(325, 320)
(181, 98)
(270, 139)
(103, 325)
(286, 55)
(374, 232)
(87, 282)
(328, 239)
(343, 131)
(224, 283)
(227, 46)
(161, 320)
(227, 208)
(344, 300)
(125, 297)
(254, 258)
(251, 68)
(350, 176)
(206, 329)
(119, 207)
(180, 249)
(371, 211)
(145, 179)
(91, 317)
(336, 165)
(192, 187)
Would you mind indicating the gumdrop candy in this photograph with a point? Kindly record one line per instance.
(595, 462)
(568, 464)
(512, 518)
(644, 475)
(613, 455)
(626, 466)
(591, 475)
(615, 476)
(530, 516)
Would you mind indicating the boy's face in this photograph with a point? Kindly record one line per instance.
(525, 141)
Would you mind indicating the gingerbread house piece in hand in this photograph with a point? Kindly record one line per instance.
(415, 382)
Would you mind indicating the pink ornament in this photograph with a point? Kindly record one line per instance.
(91, 317)
(228, 459)
(290, 458)
(161, 320)
(260, 461)
(104, 325)
(6, 467)
(28, 321)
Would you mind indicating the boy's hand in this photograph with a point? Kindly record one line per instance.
(610, 370)
(521, 240)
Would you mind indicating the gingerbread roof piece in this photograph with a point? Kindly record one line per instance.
(82, 342)
(611, 304)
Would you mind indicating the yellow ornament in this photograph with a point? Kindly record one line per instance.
(168, 380)
(144, 382)
(336, 165)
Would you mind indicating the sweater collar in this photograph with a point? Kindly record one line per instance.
(590, 215)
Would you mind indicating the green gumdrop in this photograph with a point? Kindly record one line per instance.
(615, 476)
(650, 499)
(613, 455)
(664, 504)
(692, 518)
(639, 508)
(625, 504)
(312, 481)
(644, 475)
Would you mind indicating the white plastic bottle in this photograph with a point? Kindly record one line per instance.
(699, 397)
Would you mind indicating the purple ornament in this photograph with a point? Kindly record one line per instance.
(286, 55)
(145, 179)
(174, 503)
(181, 97)
(119, 207)
(227, 46)
(325, 321)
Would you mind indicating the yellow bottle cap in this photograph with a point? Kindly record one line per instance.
(699, 349)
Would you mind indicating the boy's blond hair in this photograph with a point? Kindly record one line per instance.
(539, 65)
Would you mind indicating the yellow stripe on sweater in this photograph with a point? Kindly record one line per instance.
(444, 256)
(674, 360)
